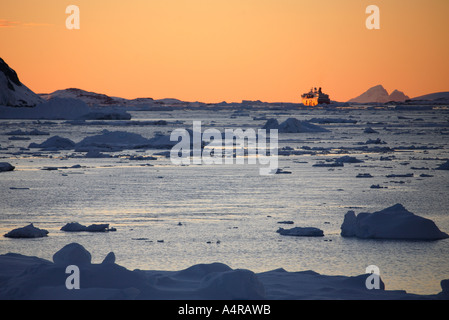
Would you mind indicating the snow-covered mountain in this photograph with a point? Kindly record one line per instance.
(90, 98)
(12, 92)
(378, 94)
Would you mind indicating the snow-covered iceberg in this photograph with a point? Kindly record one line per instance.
(29, 231)
(394, 222)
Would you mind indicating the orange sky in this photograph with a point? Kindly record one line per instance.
(215, 50)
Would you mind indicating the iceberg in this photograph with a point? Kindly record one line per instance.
(5, 166)
(28, 231)
(394, 222)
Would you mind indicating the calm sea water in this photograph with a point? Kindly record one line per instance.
(230, 213)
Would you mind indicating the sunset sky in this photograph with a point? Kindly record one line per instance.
(227, 50)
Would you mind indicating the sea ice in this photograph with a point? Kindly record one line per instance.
(394, 222)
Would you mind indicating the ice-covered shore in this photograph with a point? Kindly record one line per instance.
(24, 277)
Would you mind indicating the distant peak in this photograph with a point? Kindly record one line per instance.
(378, 94)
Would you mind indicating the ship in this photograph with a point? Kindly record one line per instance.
(315, 97)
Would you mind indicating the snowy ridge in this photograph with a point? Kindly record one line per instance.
(12, 92)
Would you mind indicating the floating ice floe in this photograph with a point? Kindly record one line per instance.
(292, 125)
(54, 143)
(394, 222)
(364, 175)
(282, 171)
(161, 141)
(377, 186)
(301, 232)
(348, 159)
(95, 153)
(444, 166)
(376, 141)
(28, 231)
(5, 166)
(405, 175)
(112, 141)
(369, 130)
(328, 164)
(77, 227)
(14, 138)
(332, 120)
